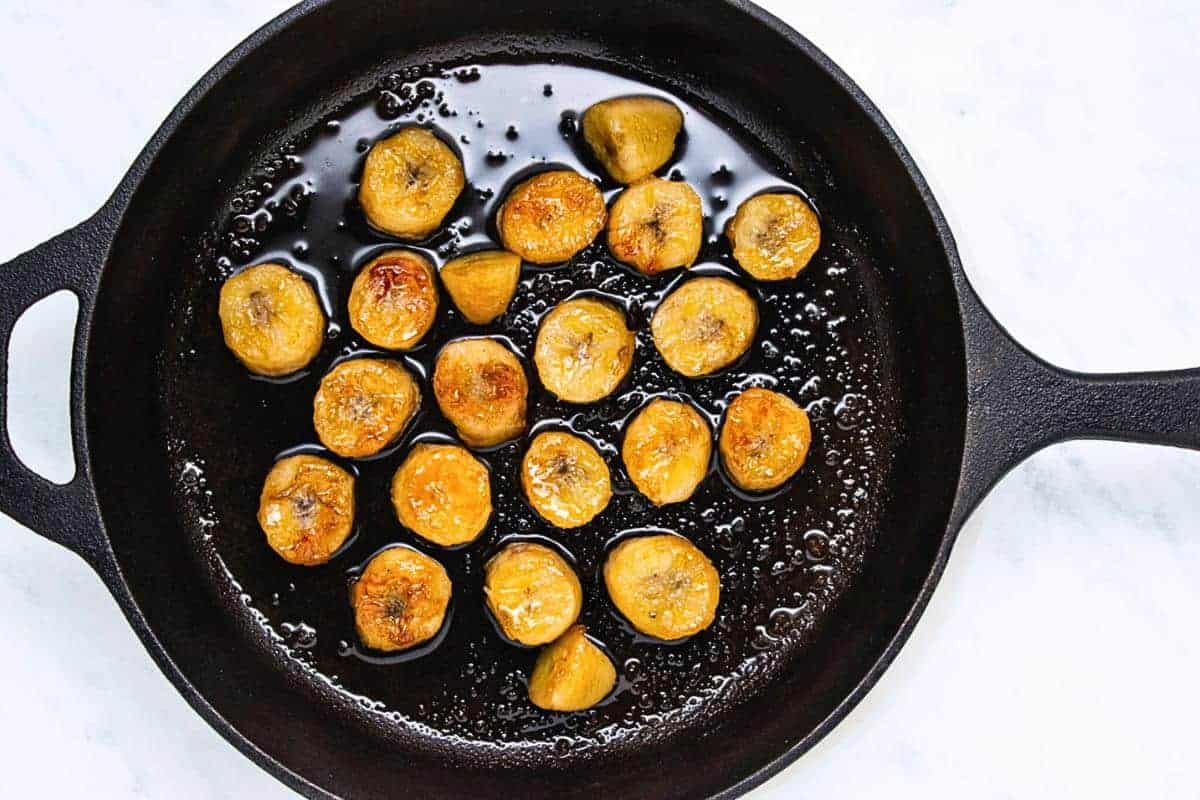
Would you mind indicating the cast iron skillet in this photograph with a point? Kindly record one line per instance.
(972, 402)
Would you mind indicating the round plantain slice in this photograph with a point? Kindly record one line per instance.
(656, 225)
(663, 585)
(306, 509)
(764, 439)
(400, 599)
(271, 319)
(443, 494)
(774, 236)
(362, 405)
(704, 325)
(632, 136)
(667, 450)
(573, 674)
(410, 182)
(551, 217)
(482, 390)
(532, 592)
(583, 350)
(565, 479)
(482, 284)
(394, 300)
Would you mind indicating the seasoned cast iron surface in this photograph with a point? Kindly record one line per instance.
(783, 559)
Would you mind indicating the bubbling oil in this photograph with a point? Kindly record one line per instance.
(784, 559)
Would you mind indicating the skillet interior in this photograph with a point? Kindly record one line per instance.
(720, 60)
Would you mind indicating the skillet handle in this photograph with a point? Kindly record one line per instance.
(66, 513)
(1018, 404)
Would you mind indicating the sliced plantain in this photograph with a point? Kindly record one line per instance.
(394, 300)
(667, 450)
(482, 390)
(656, 225)
(271, 319)
(573, 674)
(532, 592)
(551, 217)
(764, 439)
(400, 599)
(306, 509)
(410, 182)
(583, 350)
(443, 494)
(704, 325)
(362, 406)
(774, 236)
(565, 479)
(663, 585)
(632, 136)
(482, 284)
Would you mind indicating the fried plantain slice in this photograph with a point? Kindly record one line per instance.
(551, 216)
(667, 450)
(532, 592)
(482, 390)
(410, 182)
(663, 585)
(482, 284)
(632, 136)
(443, 494)
(573, 674)
(704, 326)
(656, 225)
(764, 439)
(400, 599)
(306, 509)
(271, 319)
(774, 235)
(565, 479)
(394, 300)
(583, 350)
(362, 405)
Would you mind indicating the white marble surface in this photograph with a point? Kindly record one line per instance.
(1058, 656)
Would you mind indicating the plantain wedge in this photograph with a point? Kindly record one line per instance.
(667, 450)
(394, 300)
(656, 225)
(551, 217)
(306, 509)
(573, 674)
(482, 390)
(400, 599)
(565, 479)
(704, 325)
(532, 592)
(583, 350)
(774, 236)
(632, 136)
(482, 284)
(764, 439)
(443, 494)
(271, 319)
(362, 405)
(663, 585)
(409, 183)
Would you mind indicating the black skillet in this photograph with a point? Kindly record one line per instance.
(967, 404)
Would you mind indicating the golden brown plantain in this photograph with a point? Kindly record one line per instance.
(532, 592)
(271, 319)
(663, 585)
(443, 494)
(583, 350)
(481, 389)
(632, 136)
(704, 325)
(482, 284)
(400, 599)
(410, 182)
(565, 479)
(394, 300)
(306, 509)
(774, 236)
(573, 674)
(551, 217)
(764, 439)
(667, 450)
(362, 405)
(656, 225)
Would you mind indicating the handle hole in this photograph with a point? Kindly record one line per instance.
(39, 386)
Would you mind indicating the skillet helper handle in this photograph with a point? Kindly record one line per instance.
(1018, 404)
(66, 513)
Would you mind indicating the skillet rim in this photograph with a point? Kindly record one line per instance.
(110, 219)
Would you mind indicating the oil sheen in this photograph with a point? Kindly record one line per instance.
(783, 559)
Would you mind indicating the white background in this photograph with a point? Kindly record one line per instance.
(1059, 655)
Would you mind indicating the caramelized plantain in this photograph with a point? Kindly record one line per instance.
(443, 494)
(306, 509)
(482, 284)
(271, 319)
(656, 225)
(774, 236)
(764, 439)
(583, 350)
(482, 390)
(400, 599)
(667, 450)
(704, 325)
(394, 300)
(663, 585)
(410, 182)
(565, 479)
(532, 592)
(632, 136)
(551, 217)
(362, 405)
(573, 674)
